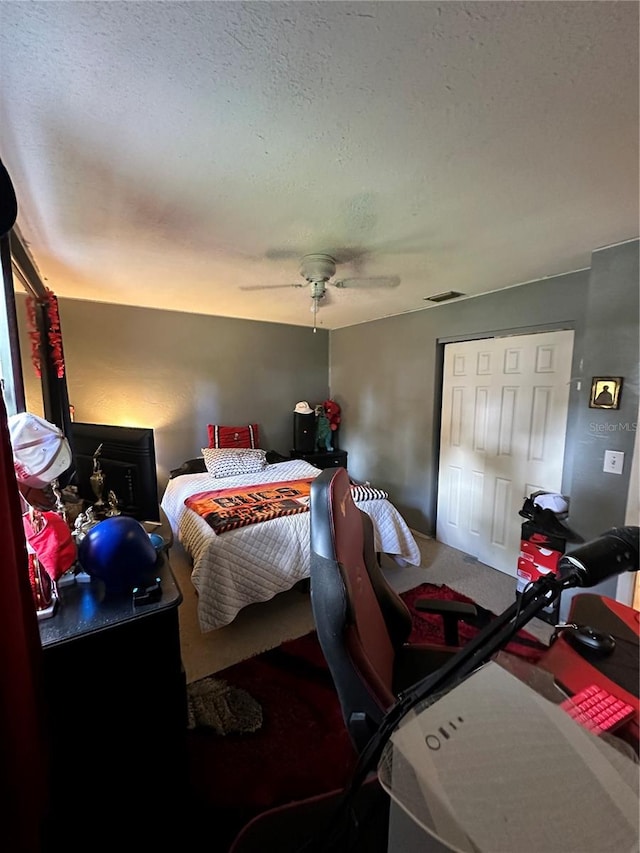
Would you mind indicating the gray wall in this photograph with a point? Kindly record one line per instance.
(611, 349)
(178, 372)
(387, 378)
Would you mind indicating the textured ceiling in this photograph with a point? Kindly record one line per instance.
(170, 154)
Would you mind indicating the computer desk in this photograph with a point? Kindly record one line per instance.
(618, 673)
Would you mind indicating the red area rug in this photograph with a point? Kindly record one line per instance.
(302, 748)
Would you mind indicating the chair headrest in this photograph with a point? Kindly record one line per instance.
(321, 502)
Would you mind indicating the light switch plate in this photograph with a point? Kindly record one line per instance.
(613, 461)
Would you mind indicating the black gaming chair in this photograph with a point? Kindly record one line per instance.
(362, 623)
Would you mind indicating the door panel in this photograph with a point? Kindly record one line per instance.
(503, 425)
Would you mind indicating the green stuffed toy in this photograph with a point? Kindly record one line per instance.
(323, 430)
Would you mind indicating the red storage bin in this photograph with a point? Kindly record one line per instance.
(536, 559)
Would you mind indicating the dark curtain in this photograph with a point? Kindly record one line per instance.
(24, 768)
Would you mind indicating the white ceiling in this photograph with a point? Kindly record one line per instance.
(168, 154)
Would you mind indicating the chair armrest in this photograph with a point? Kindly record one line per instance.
(451, 612)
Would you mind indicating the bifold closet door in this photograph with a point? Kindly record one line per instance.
(503, 428)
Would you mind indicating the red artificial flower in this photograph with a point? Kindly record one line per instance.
(332, 411)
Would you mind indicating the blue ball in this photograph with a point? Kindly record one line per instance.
(119, 552)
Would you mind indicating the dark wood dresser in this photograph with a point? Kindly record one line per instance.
(116, 715)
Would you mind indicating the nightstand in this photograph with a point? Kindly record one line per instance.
(326, 459)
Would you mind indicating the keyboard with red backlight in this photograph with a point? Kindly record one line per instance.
(597, 710)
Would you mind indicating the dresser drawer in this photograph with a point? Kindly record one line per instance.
(333, 459)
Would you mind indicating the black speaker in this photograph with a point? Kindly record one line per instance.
(304, 432)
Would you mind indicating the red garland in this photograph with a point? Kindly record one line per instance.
(54, 334)
(55, 337)
(34, 335)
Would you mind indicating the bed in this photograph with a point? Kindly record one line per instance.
(256, 562)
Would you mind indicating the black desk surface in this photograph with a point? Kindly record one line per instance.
(85, 608)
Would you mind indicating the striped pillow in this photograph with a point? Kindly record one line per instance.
(230, 462)
(367, 493)
(233, 436)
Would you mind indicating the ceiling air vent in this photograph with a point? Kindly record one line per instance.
(442, 297)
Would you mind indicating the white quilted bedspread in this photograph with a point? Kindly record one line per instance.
(254, 563)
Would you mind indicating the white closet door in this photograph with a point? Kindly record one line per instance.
(504, 419)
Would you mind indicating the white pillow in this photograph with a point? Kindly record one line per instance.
(231, 461)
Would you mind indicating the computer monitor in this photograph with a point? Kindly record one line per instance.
(128, 462)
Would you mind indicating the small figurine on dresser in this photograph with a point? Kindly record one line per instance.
(323, 430)
(83, 524)
(113, 504)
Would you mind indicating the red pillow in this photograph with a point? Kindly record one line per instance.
(230, 436)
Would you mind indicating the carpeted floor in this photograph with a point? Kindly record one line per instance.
(301, 747)
(264, 626)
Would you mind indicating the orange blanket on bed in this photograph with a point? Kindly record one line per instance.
(227, 509)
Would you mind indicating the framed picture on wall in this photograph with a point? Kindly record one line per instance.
(605, 392)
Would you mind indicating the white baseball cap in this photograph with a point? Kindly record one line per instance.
(553, 501)
(41, 453)
(303, 408)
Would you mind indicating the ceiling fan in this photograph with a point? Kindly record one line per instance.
(318, 269)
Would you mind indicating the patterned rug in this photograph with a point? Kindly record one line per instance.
(302, 747)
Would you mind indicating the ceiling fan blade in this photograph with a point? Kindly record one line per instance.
(283, 254)
(341, 254)
(371, 281)
(270, 286)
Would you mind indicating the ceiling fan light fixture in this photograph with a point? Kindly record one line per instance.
(318, 289)
(317, 267)
(443, 297)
